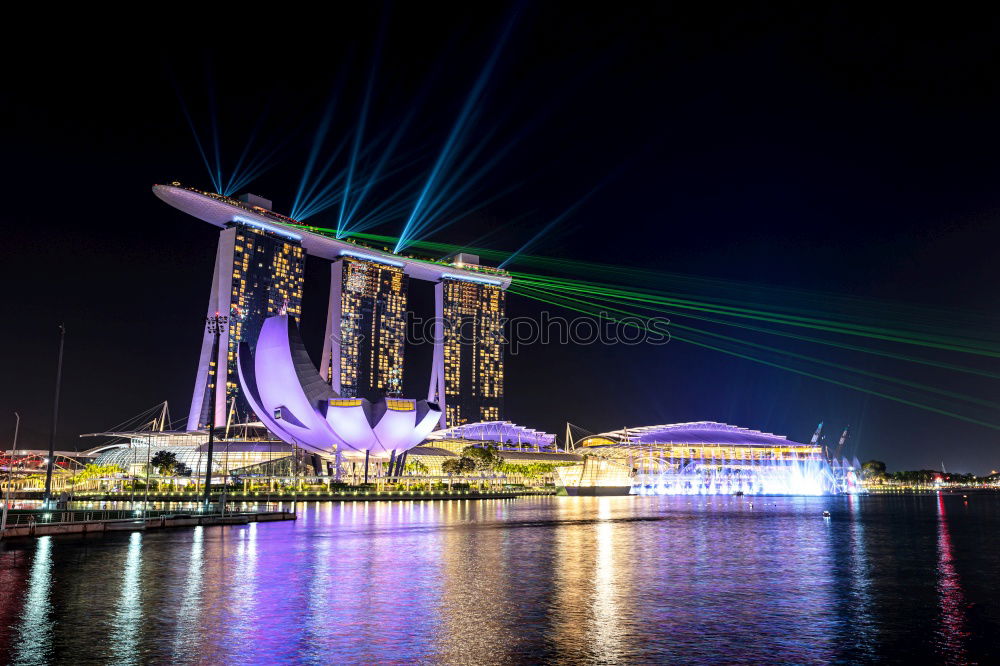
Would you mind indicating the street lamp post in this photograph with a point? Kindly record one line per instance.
(215, 325)
(145, 502)
(10, 473)
(55, 419)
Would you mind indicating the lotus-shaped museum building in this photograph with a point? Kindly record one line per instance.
(291, 399)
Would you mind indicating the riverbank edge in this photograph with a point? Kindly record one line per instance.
(259, 497)
(81, 528)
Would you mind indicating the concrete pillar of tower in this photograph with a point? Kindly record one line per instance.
(436, 391)
(219, 301)
(330, 362)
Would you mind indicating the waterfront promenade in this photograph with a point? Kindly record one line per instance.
(81, 522)
(294, 495)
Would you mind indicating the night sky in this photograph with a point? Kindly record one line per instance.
(829, 151)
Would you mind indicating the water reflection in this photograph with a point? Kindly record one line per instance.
(951, 628)
(606, 613)
(242, 610)
(126, 625)
(189, 611)
(859, 600)
(323, 599)
(34, 634)
(571, 571)
(539, 580)
(475, 587)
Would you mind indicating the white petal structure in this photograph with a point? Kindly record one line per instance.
(292, 400)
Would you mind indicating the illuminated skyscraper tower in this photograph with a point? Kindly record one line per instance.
(258, 273)
(467, 375)
(366, 327)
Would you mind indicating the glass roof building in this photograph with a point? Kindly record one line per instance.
(504, 434)
(227, 457)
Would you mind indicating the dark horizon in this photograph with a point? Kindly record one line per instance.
(822, 151)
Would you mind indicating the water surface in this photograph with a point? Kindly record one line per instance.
(549, 579)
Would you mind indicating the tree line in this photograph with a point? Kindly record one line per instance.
(488, 459)
(875, 470)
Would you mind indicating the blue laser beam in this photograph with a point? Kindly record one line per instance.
(455, 136)
(375, 175)
(319, 137)
(480, 240)
(198, 143)
(359, 132)
(553, 222)
(236, 176)
(451, 194)
(213, 116)
(194, 132)
(259, 165)
(329, 194)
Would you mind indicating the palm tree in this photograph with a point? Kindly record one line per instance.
(416, 467)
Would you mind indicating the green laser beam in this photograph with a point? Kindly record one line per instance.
(878, 333)
(719, 306)
(648, 276)
(815, 340)
(595, 311)
(819, 361)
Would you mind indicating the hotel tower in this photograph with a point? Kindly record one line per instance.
(467, 372)
(259, 273)
(365, 328)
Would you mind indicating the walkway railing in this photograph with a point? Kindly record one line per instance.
(40, 517)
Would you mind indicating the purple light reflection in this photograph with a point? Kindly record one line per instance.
(951, 628)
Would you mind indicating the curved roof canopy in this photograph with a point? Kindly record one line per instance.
(698, 432)
(222, 211)
(495, 431)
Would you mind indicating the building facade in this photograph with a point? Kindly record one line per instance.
(364, 348)
(468, 371)
(258, 273)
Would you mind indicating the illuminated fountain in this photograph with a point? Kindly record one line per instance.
(707, 458)
(754, 477)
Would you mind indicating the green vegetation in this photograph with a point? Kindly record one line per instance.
(486, 458)
(416, 467)
(926, 476)
(530, 470)
(92, 471)
(166, 464)
(458, 466)
(874, 472)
